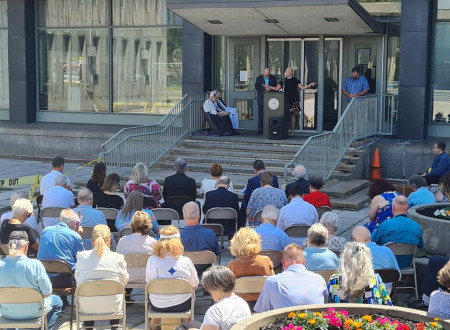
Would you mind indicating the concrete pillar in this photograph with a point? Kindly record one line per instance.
(197, 59)
(22, 61)
(415, 59)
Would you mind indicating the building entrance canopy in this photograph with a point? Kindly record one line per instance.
(277, 17)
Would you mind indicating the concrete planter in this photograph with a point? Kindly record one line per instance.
(435, 231)
(262, 319)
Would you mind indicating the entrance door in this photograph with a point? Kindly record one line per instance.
(244, 66)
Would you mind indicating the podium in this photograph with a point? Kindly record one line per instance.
(276, 106)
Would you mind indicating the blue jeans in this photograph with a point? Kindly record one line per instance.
(53, 313)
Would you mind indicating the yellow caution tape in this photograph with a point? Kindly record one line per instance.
(98, 160)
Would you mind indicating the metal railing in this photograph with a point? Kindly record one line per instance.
(364, 117)
(148, 144)
(143, 129)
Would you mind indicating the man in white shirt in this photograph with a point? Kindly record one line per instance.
(57, 196)
(48, 180)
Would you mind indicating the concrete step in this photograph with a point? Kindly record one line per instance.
(341, 176)
(342, 167)
(228, 161)
(248, 139)
(222, 153)
(355, 152)
(237, 146)
(350, 159)
(353, 202)
(341, 189)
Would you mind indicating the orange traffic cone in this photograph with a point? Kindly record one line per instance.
(376, 168)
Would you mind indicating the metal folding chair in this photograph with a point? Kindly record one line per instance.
(217, 228)
(137, 261)
(166, 215)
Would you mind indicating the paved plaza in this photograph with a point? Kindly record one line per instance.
(13, 168)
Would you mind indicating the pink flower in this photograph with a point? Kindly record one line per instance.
(291, 326)
(345, 313)
(331, 309)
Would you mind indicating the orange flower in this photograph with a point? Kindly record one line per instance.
(349, 322)
(318, 314)
(433, 324)
(437, 319)
(291, 315)
(368, 318)
(312, 321)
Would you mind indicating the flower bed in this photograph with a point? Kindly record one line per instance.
(343, 316)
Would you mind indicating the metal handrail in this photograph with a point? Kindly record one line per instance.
(364, 116)
(142, 129)
(149, 144)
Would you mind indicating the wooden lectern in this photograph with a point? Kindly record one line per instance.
(276, 104)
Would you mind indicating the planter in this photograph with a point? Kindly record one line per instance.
(435, 231)
(262, 319)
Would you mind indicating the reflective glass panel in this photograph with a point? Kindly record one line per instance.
(245, 107)
(219, 63)
(243, 67)
(143, 12)
(73, 70)
(331, 87)
(4, 72)
(63, 13)
(441, 74)
(147, 69)
(310, 75)
(276, 58)
(443, 10)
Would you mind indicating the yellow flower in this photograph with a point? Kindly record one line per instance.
(301, 315)
(359, 329)
(312, 321)
(357, 324)
(349, 322)
(291, 315)
(318, 314)
(368, 318)
(437, 319)
(433, 324)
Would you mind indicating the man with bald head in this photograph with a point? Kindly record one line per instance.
(262, 85)
(294, 286)
(382, 256)
(399, 229)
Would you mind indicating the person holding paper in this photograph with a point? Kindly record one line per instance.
(232, 111)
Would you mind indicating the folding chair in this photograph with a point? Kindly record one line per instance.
(256, 217)
(297, 231)
(60, 267)
(404, 249)
(87, 232)
(168, 286)
(39, 207)
(212, 126)
(51, 212)
(137, 262)
(201, 259)
(249, 285)
(176, 203)
(322, 209)
(274, 255)
(222, 215)
(4, 250)
(127, 231)
(100, 288)
(326, 274)
(110, 216)
(389, 276)
(217, 228)
(14, 295)
(165, 216)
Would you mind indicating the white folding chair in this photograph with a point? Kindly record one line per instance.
(274, 255)
(223, 214)
(110, 213)
(127, 231)
(217, 228)
(137, 262)
(99, 288)
(404, 249)
(15, 295)
(249, 285)
(168, 286)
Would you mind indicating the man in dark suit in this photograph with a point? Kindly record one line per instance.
(179, 184)
(261, 85)
(221, 197)
(252, 184)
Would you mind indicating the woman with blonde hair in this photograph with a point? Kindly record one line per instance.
(209, 184)
(246, 244)
(440, 299)
(134, 203)
(169, 262)
(140, 181)
(356, 282)
(100, 263)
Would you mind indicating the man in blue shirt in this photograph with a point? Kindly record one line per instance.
(440, 166)
(399, 229)
(61, 242)
(420, 195)
(272, 237)
(355, 85)
(17, 270)
(294, 286)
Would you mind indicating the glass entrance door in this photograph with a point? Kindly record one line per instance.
(244, 66)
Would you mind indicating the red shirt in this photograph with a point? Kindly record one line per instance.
(317, 199)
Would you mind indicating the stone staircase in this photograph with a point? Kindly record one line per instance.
(236, 155)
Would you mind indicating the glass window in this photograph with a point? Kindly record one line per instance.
(147, 69)
(243, 67)
(73, 70)
(393, 58)
(4, 73)
(331, 84)
(219, 63)
(60, 13)
(443, 10)
(143, 12)
(441, 74)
